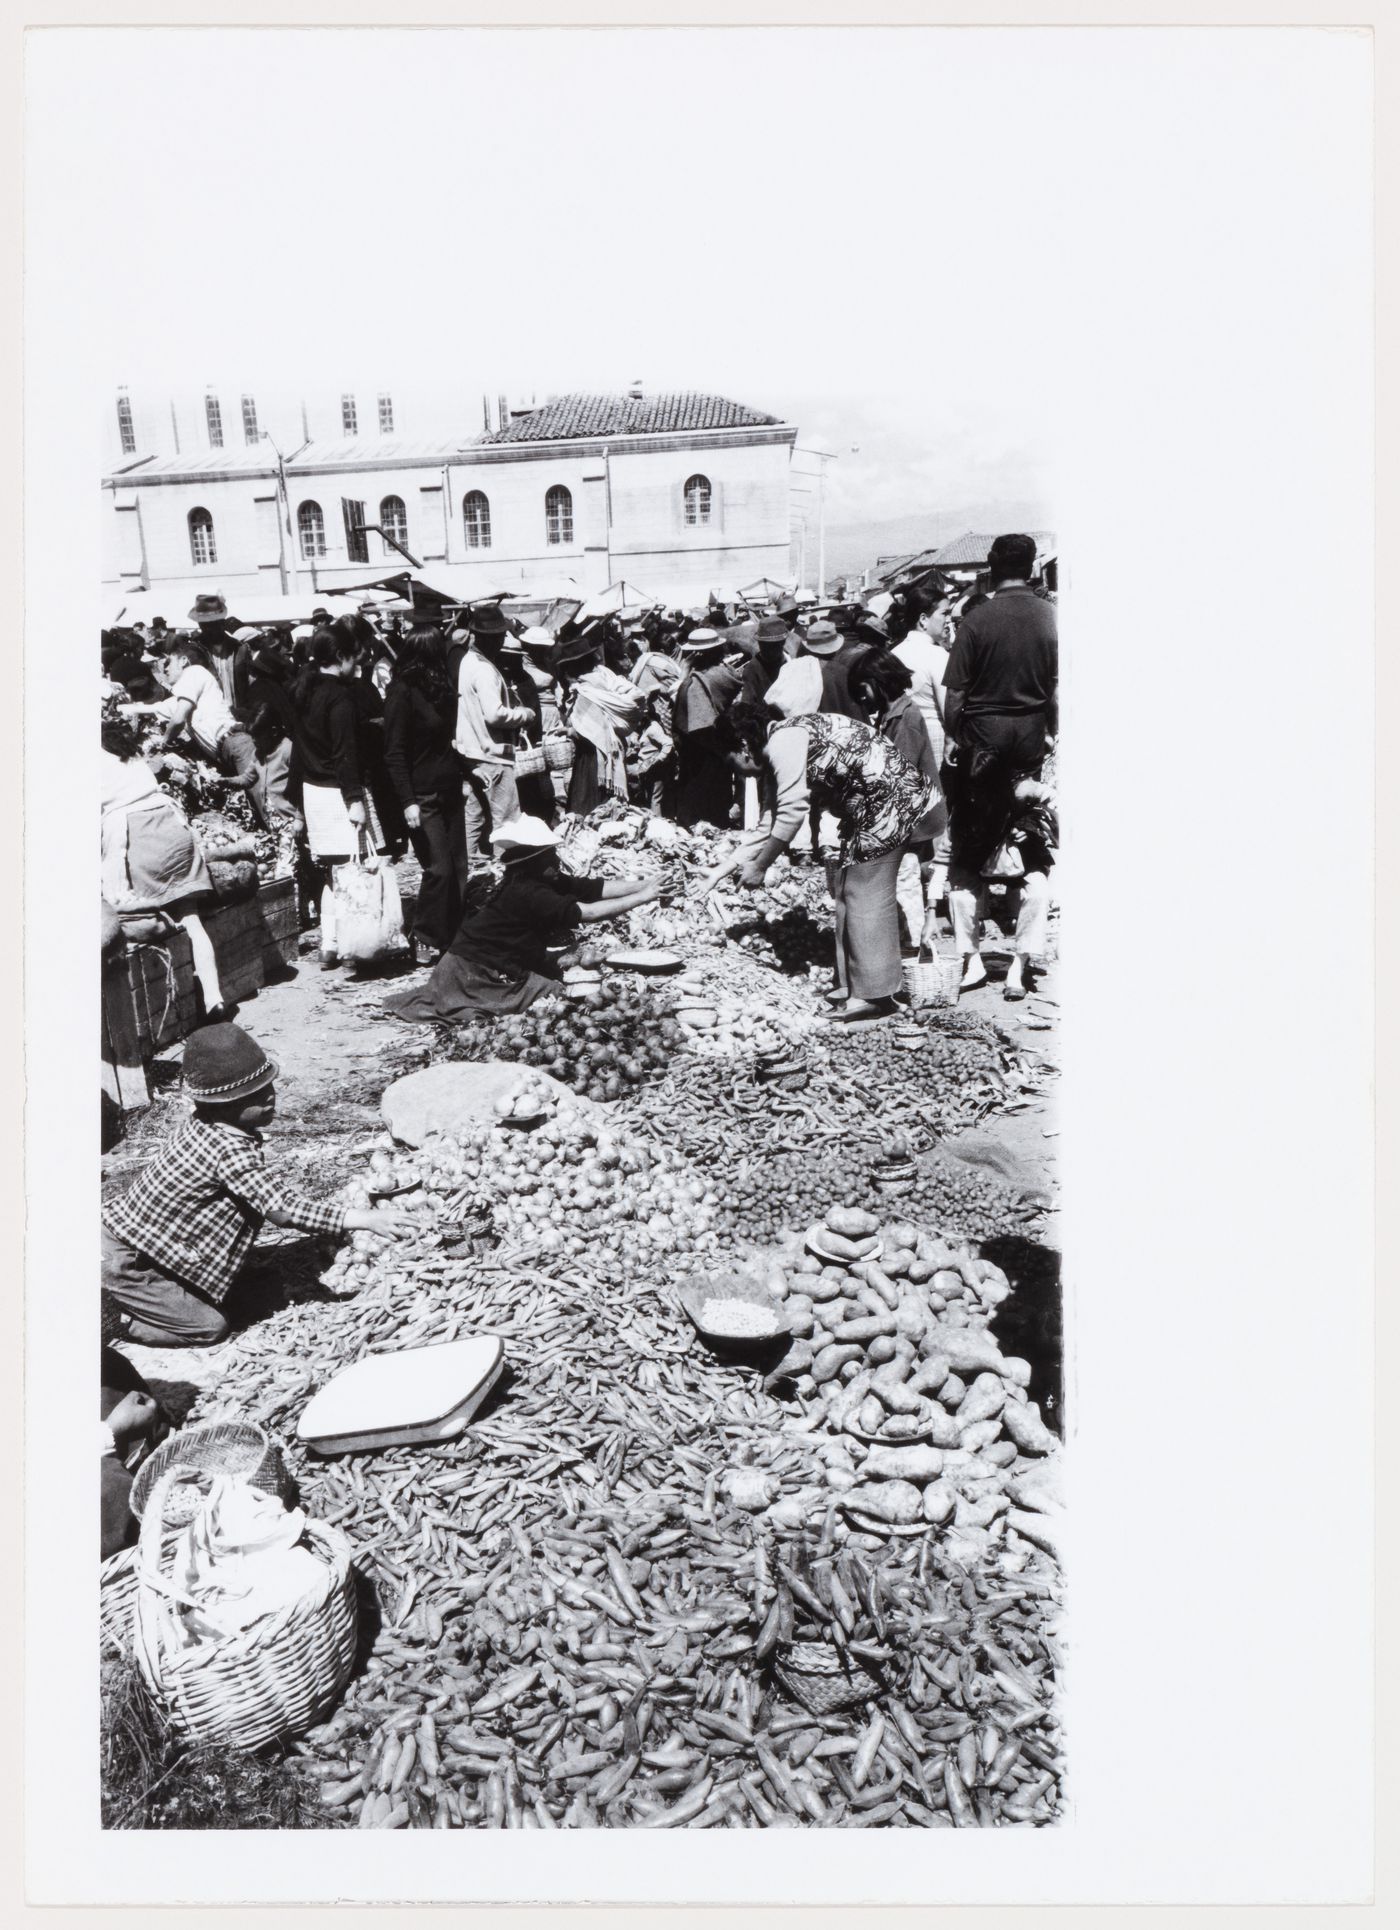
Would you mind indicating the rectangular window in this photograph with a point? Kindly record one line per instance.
(215, 420)
(125, 426)
(250, 419)
(386, 415)
(349, 421)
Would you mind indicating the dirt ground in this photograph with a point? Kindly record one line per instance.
(337, 1050)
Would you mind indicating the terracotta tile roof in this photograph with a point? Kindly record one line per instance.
(970, 551)
(570, 417)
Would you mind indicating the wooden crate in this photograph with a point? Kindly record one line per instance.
(149, 997)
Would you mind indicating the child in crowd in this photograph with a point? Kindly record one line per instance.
(173, 1246)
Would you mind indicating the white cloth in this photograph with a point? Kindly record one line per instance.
(486, 717)
(126, 781)
(926, 661)
(796, 691)
(211, 719)
(329, 832)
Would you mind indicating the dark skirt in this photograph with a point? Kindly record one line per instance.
(459, 988)
(705, 783)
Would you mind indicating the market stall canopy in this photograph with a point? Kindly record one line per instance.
(136, 605)
(615, 599)
(765, 587)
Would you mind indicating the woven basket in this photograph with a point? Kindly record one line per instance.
(217, 1447)
(819, 1677)
(530, 760)
(265, 1684)
(559, 752)
(117, 1601)
(931, 980)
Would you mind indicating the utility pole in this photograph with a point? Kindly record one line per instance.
(286, 536)
(824, 456)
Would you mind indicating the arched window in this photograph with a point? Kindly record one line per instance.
(697, 499)
(393, 520)
(202, 536)
(476, 520)
(311, 525)
(559, 515)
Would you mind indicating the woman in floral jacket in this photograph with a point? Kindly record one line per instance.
(802, 756)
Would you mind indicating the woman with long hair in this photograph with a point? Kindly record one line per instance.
(420, 717)
(151, 859)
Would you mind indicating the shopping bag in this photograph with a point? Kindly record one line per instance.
(368, 911)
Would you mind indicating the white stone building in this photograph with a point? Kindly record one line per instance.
(673, 494)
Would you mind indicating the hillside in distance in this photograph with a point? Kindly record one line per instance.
(853, 547)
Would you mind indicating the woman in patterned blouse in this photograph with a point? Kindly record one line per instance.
(803, 756)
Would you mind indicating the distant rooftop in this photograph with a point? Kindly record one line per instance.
(571, 417)
(970, 551)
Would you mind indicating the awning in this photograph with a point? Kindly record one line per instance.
(614, 600)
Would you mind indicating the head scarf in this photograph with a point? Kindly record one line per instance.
(796, 691)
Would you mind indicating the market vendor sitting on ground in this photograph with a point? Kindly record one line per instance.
(500, 959)
(174, 1245)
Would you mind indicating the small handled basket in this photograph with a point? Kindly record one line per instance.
(931, 980)
(270, 1681)
(552, 753)
(218, 1447)
(821, 1679)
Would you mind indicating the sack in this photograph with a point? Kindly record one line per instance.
(1005, 865)
(367, 909)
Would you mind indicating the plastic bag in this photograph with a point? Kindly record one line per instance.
(368, 910)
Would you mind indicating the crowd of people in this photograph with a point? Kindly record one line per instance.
(902, 744)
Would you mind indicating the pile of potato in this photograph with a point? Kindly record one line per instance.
(930, 1423)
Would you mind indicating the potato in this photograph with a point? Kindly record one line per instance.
(901, 1427)
(1043, 1530)
(821, 1288)
(916, 1464)
(898, 1262)
(947, 1283)
(880, 1283)
(897, 1502)
(809, 1263)
(952, 1391)
(1001, 1454)
(831, 1360)
(777, 1283)
(843, 1249)
(897, 1397)
(1037, 1486)
(871, 1415)
(902, 1233)
(983, 1399)
(944, 1429)
(800, 1320)
(938, 1503)
(850, 1369)
(840, 1480)
(930, 1378)
(851, 1223)
(910, 1316)
(979, 1434)
(866, 1329)
(1022, 1421)
(881, 1350)
(919, 1270)
(1014, 1369)
(979, 1511)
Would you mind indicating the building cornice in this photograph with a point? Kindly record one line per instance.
(489, 455)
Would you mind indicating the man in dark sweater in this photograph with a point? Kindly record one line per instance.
(999, 694)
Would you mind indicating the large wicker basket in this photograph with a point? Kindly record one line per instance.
(117, 1601)
(821, 1678)
(931, 980)
(216, 1447)
(271, 1681)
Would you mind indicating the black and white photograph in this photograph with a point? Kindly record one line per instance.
(594, 1332)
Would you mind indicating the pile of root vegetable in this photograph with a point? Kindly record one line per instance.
(615, 1040)
(607, 1602)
